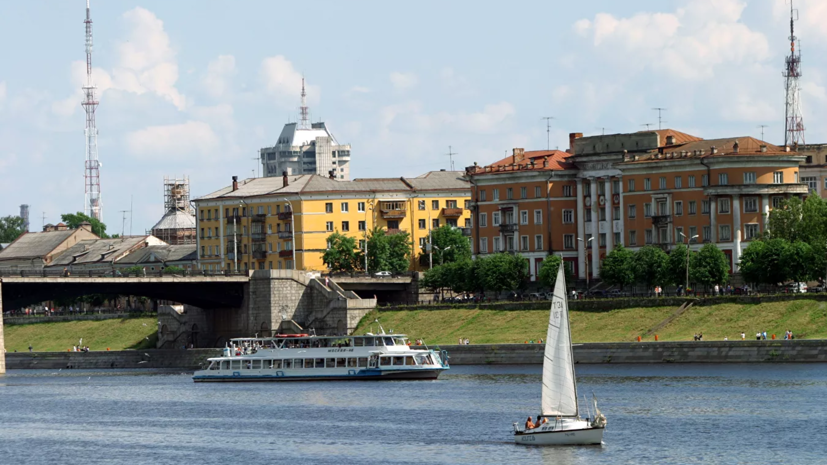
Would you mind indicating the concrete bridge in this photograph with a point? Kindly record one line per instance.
(390, 289)
(213, 308)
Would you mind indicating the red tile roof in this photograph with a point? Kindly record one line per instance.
(556, 159)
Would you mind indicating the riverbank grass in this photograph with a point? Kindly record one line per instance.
(128, 333)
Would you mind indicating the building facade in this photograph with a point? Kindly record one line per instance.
(814, 167)
(284, 222)
(310, 150)
(657, 188)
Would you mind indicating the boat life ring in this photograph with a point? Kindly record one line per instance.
(602, 200)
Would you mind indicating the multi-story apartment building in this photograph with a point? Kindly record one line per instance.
(283, 223)
(647, 188)
(814, 167)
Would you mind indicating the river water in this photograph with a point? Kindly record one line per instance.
(680, 414)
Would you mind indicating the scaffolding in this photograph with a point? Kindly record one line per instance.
(178, 223)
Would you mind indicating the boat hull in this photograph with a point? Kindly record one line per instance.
(363, 375)
(562, 437)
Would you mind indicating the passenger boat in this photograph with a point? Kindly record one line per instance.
(305, 357)
(559, 422)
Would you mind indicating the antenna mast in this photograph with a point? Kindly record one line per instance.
(660, 120)
(92, 200)
(793, 121)
(548, 131)
(451, 157)
(303, 109)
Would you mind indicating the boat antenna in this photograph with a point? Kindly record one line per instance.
(381, 329)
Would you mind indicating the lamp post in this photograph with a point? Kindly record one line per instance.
(687, 259)
(442, 253)
(586, 245)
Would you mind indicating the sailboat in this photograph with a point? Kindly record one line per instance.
(560, 422)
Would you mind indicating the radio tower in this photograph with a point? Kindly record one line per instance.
(92, 202)
(793, 123)
(303, 109)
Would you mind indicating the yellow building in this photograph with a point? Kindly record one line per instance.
(283, 223)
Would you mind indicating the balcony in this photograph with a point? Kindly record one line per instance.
(286, 215)
(452, 212)
(231, 255)
(466, 232)
(665, 246)
(509, 228)
(259, 254)
(286, 253)
(392, 231)
(230, 219)
(661, 220)
(258, 218)
(259, 237)
(285, 234)
(391, 212)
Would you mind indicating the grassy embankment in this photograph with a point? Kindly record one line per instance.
(806, 318)
(128, 333)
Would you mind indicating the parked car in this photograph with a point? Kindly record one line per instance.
(537, 296)
(818, 288)
(614, 293)
(383, 274)
(597, 294)
(796, 288)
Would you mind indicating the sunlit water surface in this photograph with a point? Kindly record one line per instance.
(657, 414)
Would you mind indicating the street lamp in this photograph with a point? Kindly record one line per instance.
(687, 258)
(442, 253)
(586, 244)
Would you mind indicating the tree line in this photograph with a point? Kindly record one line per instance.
(11, 227)
(386, 252)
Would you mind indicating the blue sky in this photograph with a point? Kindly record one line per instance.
(197, 87)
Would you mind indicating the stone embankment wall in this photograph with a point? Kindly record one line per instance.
(648, 352)
(500, 354)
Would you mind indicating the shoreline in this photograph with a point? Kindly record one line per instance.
(769, 351)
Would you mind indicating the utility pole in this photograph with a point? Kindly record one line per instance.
(548, 131)
(660, 121)
(451, 157)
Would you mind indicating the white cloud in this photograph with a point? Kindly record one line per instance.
(403, 81)
(2, 91)
(219, 72)
(179, 141)
(282, 81)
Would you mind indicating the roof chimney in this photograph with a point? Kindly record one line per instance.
(285, 181)
(763, 148)
(235, 183)
(332, 174)
(572, 137)
(517, 155)
(736, 146)
(713, 150)
(545, 162)
(670, 140)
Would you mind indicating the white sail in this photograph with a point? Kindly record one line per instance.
(559, 396)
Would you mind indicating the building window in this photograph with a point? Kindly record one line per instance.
(435, 223)
(705, 180)
(202, 233)
(497, 243)
(663, 182)
(434, 204)
(778, 177)
(483, 245)
(693, 207)
(724, 235)
(568, 241)
(679, 236)
(509, 193)
(203, 251)
(615, 186)
(538, 242)
(588, 215)
(602, 239)
(328, 207)
(496, 194)
(524, 243)
(811, 182)
(723, 179)
(601, 188)
(632, 211)
(524, 217)
(483, 220)
(647, 210)
(679, 208)
(750, 231)
(345, 207)
(422, 224)
(631, 185)
(707, 233)
(723, 205)
(524, 192)
(647, 184)
(616, 213)
(467, 204)
(749, 177)
(705, 207)
(632, 237)
(345, 226)
(693, 234)
(329, 226)
(567, 191)
(482, 197)
(601, 213)
(361, 226)
(776, 202)
(496, 218)
(678, 182)
(421, 204)
(360, 206)
(537, 192)
(690, 180)
(568, 216)
(750, 204)
(538, 216)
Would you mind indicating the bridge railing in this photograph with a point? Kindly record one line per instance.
(110, 273)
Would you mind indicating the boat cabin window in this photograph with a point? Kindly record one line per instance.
(399, 360)
(319, 363)
(298, 363)
(409, 360)
(225, 364)
(358, 341)
(363, 362)
(423, 360)
(400, 341)
(351, 363)
(214, 365)
(308, 363)
(368, 342)
(341, 363)
(384, 361)
(330, 363)
(256, 364)
(388, 341)
(236, 365)
(287, 364)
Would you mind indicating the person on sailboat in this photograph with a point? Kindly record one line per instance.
(529, 424)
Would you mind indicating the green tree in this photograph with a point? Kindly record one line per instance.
(650, 266)
(73, 221)
(399, 252)
(449, 245)
(501, 272)
(676, 265)
(798, 259)
(709, 266)
(619, 267)
(11, 227)
(751, 265)
(341, 256)
(378, 250)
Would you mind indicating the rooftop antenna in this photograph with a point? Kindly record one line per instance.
(548, 131)
(256, 159)
(92, 203)
(130, 214)
(44, 220)
(660, 120)
(303, 109)
(603, 131)
(793, 121)
(123, 221)
(647, 125)
(451, 157)
(762, 126)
